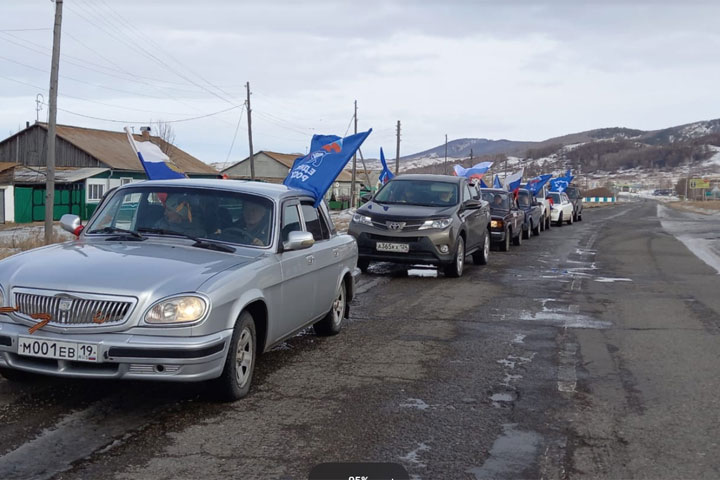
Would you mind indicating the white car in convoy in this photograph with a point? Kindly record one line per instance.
(561, 208)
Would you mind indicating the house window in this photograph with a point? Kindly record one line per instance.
(95, 192)
(125, 180)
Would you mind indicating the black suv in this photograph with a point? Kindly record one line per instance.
(575, 196)
(430, 219)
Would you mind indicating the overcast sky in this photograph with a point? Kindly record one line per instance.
(482, 69)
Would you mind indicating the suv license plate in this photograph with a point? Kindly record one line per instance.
(392, 247)
(81, 352)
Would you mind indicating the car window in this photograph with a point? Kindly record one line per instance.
(290, 221)
(314, 222)
(468, 193)
(223, 215)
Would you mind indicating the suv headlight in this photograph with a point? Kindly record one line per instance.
(183, 309)
(357, 218)
(438, 223)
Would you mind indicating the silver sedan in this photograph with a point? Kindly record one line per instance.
(181, 280)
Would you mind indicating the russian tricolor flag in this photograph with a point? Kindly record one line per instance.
(156, 164)
(476, 171)
(512, 182)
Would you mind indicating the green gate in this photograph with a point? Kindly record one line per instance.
(30, 202)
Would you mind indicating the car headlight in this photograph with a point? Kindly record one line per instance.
(182, 309)
(357, 218)
(496, 223)
(439, 223)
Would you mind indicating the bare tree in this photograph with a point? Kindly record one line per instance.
(167, 134)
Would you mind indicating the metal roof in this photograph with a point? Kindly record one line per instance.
(62, 175)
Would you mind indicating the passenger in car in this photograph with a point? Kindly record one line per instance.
(178, 216)
(255, 222)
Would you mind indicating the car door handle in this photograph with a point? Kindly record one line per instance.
(310, 259)
(336, 252)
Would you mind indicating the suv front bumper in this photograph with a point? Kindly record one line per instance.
(424, 245)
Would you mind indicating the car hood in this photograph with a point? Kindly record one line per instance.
(393, 211)
(120, 268)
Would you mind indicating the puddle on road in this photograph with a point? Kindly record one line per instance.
(565, 319)
(415, 403)
(503, 399)
(511, 454)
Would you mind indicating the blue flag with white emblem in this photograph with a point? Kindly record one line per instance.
(561, 183)
(496, 182)
(316, 171)
(536, 184)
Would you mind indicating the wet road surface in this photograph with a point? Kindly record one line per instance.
(587, 352)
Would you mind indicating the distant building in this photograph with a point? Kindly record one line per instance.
(89, 162)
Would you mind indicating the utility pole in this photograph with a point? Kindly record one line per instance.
(445, 164)
(50, 183)
(471, 157)
(397, 150)
(353, 203)
(252, 157)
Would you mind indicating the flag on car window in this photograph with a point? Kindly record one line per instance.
(483, 184)
(536, 184)
(386, 174)
(512, 182)
(496, 182)
(156, 164)
(476, 171)
(316, 171)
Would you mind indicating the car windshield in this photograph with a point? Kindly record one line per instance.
(555, 197)
(221, 215)
(572, 192)
(419, 192)
(497, 199)
(524, 199)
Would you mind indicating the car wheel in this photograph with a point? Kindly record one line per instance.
(455, 269)
(18, 376)
(560, 220)
(505, 246)
(527, 233)
(517, 239)
(332, 322)
(575, 215)
(536, 230)
(234, 382)
(579, 219)
(542, 224)
(548, 223)
(363, 264)
(482, 256)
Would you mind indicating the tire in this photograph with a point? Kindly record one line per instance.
(527, 233)
(579, 219)
(331, 324)
(17, 376)
(548, 223)
(560, 220)
(575, 216)
(482, 256)
(536, 230)
(363, 264)
(236, 378)
(455, 269)
(542, 223)
(517, 239)
(505, 246)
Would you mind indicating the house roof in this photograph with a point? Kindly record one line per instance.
(288, 159)
(36, 175)
(7, 166)
(113, 149)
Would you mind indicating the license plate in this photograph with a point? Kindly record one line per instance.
(34, 347)
(392, 247)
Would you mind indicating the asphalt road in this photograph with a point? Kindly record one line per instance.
(588, 352)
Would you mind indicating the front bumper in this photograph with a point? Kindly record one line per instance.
(497, 236)
(424, 246)
(123, 356)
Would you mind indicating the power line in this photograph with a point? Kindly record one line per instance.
(145, 121)
(24, 29)
(237, 127)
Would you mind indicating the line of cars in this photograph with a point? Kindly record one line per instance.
(190, 280)
(440, 219)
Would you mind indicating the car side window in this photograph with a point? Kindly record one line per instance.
(315, 223)
(290, 221)
(467, 193)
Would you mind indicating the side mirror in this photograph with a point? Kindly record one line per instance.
(298, 240)
(471, 204)
(71, 223)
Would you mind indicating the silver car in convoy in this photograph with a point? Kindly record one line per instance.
(178, 280)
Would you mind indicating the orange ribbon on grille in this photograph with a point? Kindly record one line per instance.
(43, 317)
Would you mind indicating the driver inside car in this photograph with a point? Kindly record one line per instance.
(178, 216)
(254, 223)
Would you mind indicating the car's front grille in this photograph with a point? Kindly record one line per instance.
(74, 310)
(405, 225)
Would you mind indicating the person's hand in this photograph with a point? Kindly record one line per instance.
(258, 242)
